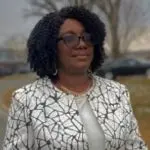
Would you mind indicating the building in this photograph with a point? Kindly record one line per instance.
(10, 61)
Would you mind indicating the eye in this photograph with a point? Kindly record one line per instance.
(87, 36)
(70, 38)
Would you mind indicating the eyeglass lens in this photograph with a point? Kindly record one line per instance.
(73, 40)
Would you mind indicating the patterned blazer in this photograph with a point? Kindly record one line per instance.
(42, 117)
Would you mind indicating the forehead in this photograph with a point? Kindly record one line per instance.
(71, 25)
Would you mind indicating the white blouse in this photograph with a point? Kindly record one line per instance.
(42, 117)
(95, 133)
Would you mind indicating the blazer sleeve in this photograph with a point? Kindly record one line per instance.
(134, 140)
(19, 133)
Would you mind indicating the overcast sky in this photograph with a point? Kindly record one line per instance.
(12, 20)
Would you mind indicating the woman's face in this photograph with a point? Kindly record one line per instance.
(75, 49)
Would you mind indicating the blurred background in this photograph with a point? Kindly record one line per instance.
(127, 47)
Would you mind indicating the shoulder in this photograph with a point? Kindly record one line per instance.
(33, 90)
(111, 86)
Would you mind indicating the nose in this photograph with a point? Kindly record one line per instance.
(82, 43)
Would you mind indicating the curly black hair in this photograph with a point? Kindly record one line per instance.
(42, 42)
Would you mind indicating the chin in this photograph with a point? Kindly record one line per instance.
(80, 64)
(81, 67)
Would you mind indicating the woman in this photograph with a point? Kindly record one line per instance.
(68, 107)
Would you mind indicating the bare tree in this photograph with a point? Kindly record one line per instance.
(17, 43)
(123, 18)
(40, 7)
(132, 23)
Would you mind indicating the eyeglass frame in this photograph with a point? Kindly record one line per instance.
(78, 40)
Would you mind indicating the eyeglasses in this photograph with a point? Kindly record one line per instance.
(72, 40)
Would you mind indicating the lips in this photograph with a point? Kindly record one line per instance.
(80, 53)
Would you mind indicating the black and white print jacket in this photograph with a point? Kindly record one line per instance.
(42, 117)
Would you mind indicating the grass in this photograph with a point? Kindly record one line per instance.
(139, 89)
(6, 98)
(18, 76)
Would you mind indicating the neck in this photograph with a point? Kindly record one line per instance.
(74, 82)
